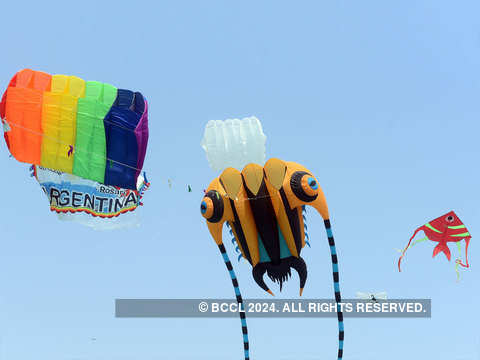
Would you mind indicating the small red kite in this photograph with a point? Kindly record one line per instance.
(444, 229)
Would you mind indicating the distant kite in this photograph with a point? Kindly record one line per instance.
(372, 296)
(444, 229)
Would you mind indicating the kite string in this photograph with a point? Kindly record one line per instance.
(72, 146)
(112, 160)
(109, 159)
(254, 198)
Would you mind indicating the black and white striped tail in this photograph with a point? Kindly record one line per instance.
(243, 319)
(336, 286)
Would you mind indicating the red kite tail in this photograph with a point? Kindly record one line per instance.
(459, 262)
(442, 247)
(403, 253)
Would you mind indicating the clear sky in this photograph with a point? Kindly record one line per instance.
(380, 100)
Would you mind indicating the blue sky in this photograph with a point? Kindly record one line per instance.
(380, 100)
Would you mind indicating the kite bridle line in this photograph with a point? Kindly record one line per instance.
(336, 286)
(238, 295)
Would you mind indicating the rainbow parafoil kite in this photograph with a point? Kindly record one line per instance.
(91, 131)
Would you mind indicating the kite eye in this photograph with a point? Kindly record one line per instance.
(312, 183)
(212, 206)
(206, 207)
(304, 186)
(449, 218)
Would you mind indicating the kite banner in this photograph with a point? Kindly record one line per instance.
(70, 194)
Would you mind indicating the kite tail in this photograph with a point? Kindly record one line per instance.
(403, 253)
(459, 262)
(243, 319)
(336, 285)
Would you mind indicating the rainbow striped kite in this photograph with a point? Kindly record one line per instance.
(86, 128)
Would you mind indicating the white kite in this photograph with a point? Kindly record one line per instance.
(234, 143)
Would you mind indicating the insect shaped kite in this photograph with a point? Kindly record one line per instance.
(444, 229)
(263, 207)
